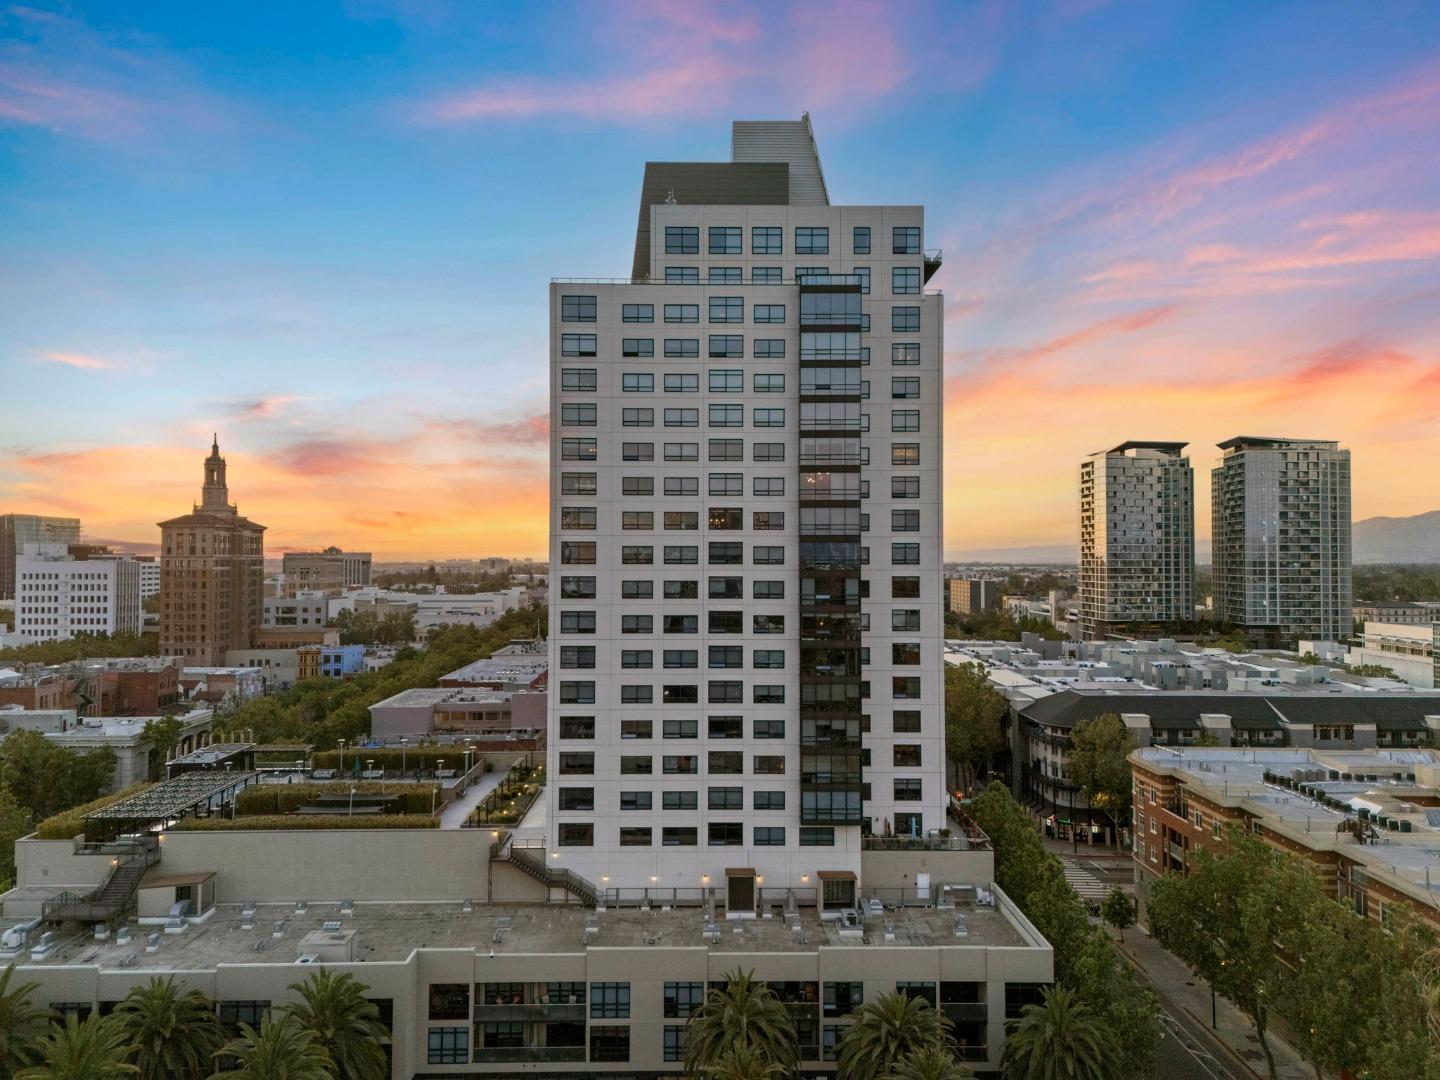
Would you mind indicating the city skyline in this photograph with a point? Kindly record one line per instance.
(1159, 222)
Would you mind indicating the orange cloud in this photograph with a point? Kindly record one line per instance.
(1013, 450)
(414, 495)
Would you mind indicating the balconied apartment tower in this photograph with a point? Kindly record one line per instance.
(212, 570)
(1137, 539)
(1281, 527)
(746, 459)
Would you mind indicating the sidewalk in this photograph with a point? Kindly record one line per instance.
(455, 813)
(1187, 997)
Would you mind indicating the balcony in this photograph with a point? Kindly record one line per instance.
(933, 259)
(527, 1054)
(530, 1011)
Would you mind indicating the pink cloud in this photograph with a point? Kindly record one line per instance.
(58, 73)
(83, 361)
(666, 92)
(666, 59)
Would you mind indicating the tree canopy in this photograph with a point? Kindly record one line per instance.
(82, 647)
(44, 778)
(975, 715)
(1099, 765)
(1087, 962)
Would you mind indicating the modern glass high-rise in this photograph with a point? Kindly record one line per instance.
(1281, 524)
(746, 625)
(1137, 539)
(18, 530)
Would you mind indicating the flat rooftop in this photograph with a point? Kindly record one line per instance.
(1240, 775)
(429, 696)
(391, 932)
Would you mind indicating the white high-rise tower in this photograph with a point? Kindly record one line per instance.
(746, 629)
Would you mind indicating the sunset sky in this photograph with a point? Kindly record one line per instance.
(325, 231)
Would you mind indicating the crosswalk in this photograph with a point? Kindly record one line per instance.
(1091, 889)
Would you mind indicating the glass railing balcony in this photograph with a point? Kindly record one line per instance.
(832, 423)
(816, 281)
(527, 1054)
(832, 354)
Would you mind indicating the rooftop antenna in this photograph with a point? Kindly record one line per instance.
(670, 199)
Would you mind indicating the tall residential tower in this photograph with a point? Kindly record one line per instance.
(1137, 538)
(746, 669)
(212, 570)
(1281, 526)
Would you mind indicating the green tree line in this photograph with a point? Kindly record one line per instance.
(1109, 1015)
(81, 647)
(1357, 996)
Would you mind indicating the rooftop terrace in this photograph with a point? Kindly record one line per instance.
(391, 932)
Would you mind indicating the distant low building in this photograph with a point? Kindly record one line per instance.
(223, 685)
(1408, 649)
(329, 661)
(306, 609)
(329, 572)
(965, 596)
(517, 716)
(1396, 612)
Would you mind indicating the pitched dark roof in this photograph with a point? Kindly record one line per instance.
(706, 183)
(1182, 709)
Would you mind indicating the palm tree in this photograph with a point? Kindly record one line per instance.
(22, 1024)
(744, 1015)
(94, 1049)
(281, 1050)
(935, 1063)
(172, 1033)
(1062, 1038)
(333, 1009)
(744, 1063)
(888, 1030)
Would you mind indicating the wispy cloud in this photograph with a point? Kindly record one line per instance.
(666, 59)
(82, 361)
(60, 74)
(261, 408)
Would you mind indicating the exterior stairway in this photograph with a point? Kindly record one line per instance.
(111, 897)
(504, 850)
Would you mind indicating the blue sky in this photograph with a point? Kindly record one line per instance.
(325, 230)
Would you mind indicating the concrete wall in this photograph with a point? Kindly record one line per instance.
(54, 862)
(335, 864)
(897, 869)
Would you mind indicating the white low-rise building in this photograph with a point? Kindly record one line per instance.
(1407, 649)
(65, 591)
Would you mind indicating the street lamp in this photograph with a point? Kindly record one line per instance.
(403, 743)
(352, 801)
(434, 797)
(342, 755)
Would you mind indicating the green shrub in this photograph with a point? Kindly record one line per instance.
(71, 823)
(269, 799)
(390, 757)
(307, 821)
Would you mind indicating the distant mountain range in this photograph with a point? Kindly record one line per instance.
(1414, 539)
